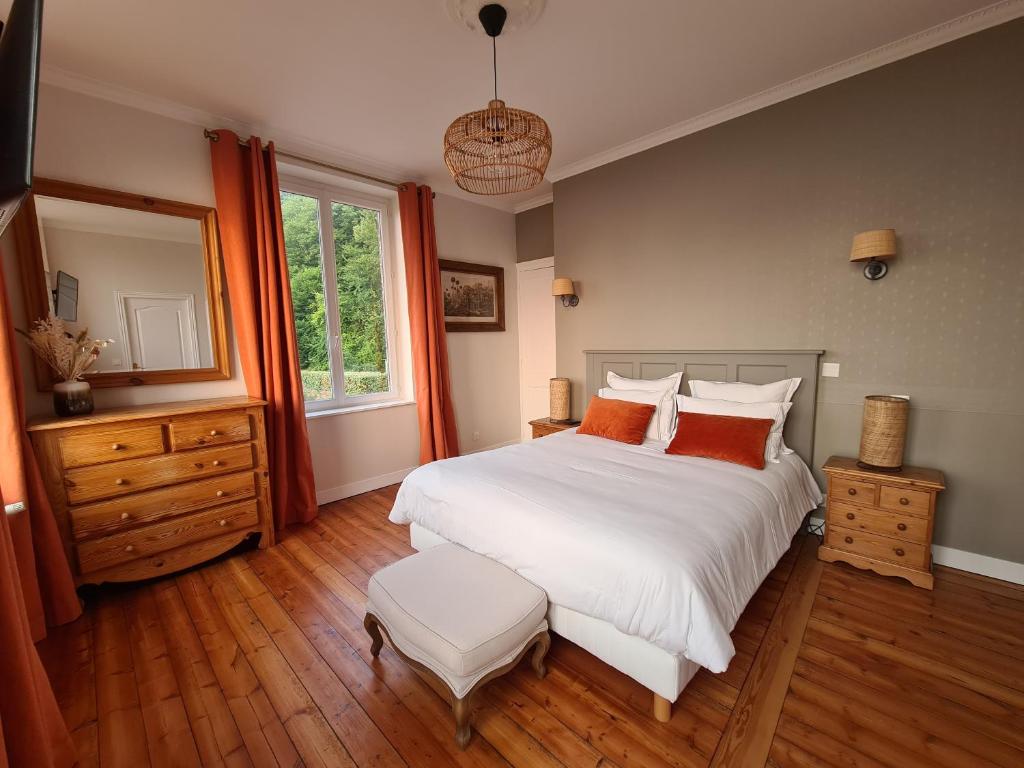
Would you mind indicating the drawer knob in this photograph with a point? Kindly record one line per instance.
(899, 552)
(120, 481)
(130, 548)
(850, 516)
(901, 526)
(223, 523)
(214, 433)
(852, 491)
(125, 515)
(221, 494)
(904, 500)
(848, 539)
(216, 462)
(116, 447)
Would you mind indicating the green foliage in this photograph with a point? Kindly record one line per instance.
(356, 233)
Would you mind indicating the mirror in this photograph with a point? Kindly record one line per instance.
(141, 271)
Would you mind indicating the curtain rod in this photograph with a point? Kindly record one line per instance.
(394, 185)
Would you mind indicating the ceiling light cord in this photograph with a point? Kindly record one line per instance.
(494, 62)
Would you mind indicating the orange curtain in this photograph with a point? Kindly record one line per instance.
(252, 239)
(35, 583)
(47, 588)
(439, 438)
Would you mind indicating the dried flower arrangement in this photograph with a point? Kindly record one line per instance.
(69, 356)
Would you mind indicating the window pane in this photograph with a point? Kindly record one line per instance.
(360, 299)
(301, 215)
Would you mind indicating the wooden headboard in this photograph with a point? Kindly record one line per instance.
(753, 367)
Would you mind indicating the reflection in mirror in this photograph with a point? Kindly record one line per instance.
(137, 277)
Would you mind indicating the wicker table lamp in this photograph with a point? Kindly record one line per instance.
(560, 400)
(884, 432)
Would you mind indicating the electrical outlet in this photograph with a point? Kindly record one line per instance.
(830, 370)
(476, 437)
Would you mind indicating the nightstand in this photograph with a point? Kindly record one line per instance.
(881, 521)
(546, 426)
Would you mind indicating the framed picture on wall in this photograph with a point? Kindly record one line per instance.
(474, 296)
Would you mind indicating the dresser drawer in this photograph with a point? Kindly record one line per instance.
(878, 521)
(857, 491)
(122, 477)
(878, 547)
(126, 512)
(120, 548)
(905, 500)
(189, 432)
(83, 449)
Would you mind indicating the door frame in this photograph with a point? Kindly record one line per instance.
(521, 267)
(122, 319)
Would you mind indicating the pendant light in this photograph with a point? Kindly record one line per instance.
(498, 150)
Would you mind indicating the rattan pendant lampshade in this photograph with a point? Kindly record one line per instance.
(498, 150)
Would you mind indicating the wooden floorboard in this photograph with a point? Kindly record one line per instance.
(261, 659)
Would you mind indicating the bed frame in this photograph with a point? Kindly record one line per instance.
(663, 673)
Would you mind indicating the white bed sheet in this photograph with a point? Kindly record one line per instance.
(668, 548)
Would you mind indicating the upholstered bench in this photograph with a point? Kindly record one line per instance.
(460, 617)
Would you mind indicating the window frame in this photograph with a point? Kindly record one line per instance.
(325, 195)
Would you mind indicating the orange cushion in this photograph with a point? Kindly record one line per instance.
(734, 439)
(617, 420)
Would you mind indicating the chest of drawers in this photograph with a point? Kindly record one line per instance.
(147, 490)
(881, 521)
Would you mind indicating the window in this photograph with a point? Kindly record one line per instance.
(337, 245)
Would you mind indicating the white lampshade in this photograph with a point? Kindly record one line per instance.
(562, 286)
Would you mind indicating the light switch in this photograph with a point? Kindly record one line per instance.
(830, 370)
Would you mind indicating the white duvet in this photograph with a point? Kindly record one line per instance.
(668, 548)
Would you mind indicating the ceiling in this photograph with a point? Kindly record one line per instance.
(372, 84)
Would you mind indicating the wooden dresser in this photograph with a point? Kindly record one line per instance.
(546, 426)
(142, 491)
(881, 521)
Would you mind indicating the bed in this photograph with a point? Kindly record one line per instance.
(648, 559)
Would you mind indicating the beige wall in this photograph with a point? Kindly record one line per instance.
(535, 233)
(484, 366)
(738, 237)
(91, 141)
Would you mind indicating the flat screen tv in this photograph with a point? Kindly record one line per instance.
(65, 297)
(20, 40)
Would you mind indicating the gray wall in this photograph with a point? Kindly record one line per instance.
(535, 233)
(738, 237)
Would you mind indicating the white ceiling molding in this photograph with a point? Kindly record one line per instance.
(534, 202)
(983, 18)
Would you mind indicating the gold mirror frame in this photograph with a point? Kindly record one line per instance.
(36, 291)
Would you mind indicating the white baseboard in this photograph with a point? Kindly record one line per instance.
(1004, 570)
(328, 495)
(492, 447)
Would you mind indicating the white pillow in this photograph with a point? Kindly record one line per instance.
(668, 386)
(636, 396)
(740, 392)
(775, 411)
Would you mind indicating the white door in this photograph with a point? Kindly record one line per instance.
(159, 331)
(536, 339)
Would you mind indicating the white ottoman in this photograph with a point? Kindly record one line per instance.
(462, 617)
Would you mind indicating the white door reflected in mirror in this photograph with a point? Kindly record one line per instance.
(160, 330)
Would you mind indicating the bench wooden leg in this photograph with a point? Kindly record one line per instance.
(370, 625)
(461, 709)
(540, 651)
(662, 709)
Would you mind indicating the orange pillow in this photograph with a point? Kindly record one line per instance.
(617, 420)
(735, 439)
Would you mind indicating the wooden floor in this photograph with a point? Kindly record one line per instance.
(261, 659)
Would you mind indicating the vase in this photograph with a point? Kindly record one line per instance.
(72, 398)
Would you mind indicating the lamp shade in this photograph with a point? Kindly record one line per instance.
(877, 244)
(883, 434)
(562, 286)
(560, 399)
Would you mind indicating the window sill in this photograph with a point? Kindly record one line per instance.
(358, 408)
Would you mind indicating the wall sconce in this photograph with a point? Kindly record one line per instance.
(874, 247)
(562, 286)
